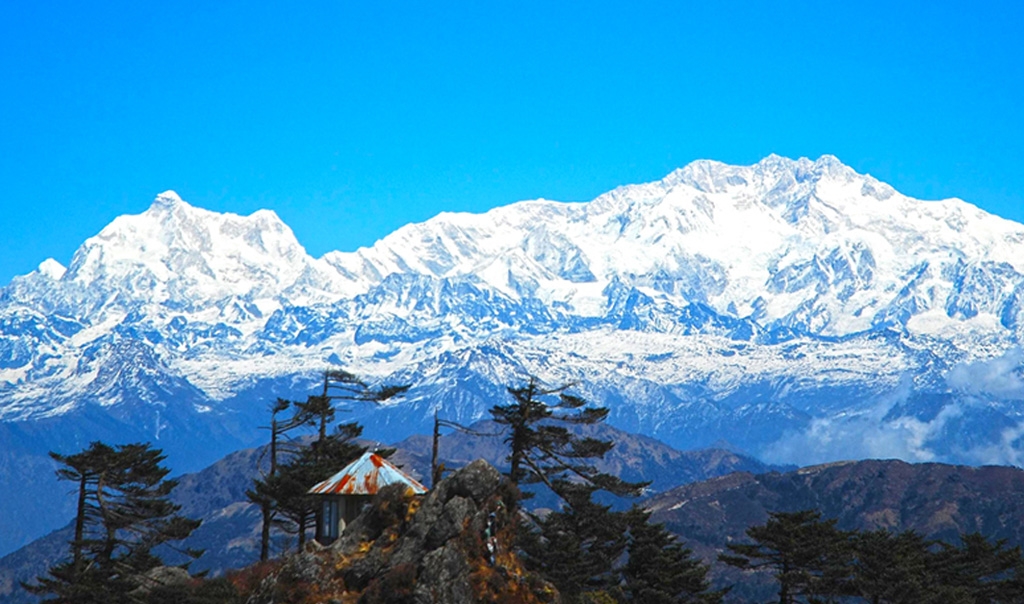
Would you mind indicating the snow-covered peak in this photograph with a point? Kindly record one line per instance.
(707, 275)
(166, 200)
(803, 242)
(51, 268)
(188, 257)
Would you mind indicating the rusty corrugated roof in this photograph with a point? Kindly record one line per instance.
(366, 476)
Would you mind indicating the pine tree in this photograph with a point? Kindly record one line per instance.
(659, 569)
(259, 494)
(282, 490)
(979, 570)
(543, 450)
(123, 513)
(576, 548)
(809, 556)
(319, 411)
(890, 568)
(287, 488)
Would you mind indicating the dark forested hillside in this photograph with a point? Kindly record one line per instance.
(936, 500)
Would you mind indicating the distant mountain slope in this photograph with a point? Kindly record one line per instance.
(634, 457)
(937, 500)
(794, 309)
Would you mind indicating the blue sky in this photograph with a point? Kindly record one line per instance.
(350, 119)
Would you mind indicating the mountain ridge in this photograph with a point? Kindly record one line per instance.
(795, 308)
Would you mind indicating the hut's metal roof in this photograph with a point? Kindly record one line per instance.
(366, 476)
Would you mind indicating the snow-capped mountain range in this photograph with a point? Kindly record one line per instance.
(797, 310)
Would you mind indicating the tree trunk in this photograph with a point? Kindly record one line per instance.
(265, 532)
(76, 546)
(435, 474)
(107, 554)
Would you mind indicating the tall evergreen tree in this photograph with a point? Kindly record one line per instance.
(577, 547)
(978, 570)
(287, 487)
(541, 447)
(890, 568)
(809, 556)
(123, 513)
(814, 562)
(319, 411)
(659, 569)
(258, 494)
(282, 490)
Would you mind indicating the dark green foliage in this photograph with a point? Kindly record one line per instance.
(591, 553)
(660, 570)
(288, 487)
(815, 562)
(281, 493)
(278, 430)
(543, 450)
(577, 548)
(123, 513)
(890, 567)
(808, 556)
(978, 570)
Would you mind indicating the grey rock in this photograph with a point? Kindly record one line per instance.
(304, 567)
(451, 521)
(443, 578)
(160, 576)
(478, 481)
(359, 574)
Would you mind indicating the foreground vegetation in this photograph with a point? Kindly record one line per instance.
(583, 552)
(813, 561)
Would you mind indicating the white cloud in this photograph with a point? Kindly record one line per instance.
(999, 377)
(863, 435)
(869, 435)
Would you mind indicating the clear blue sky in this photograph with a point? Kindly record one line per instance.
(352, 118)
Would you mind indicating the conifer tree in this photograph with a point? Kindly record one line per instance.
(808, 556)
(577, 547)
(979, 570)
(543, 450)
(287, 488)
(890, 568)
(259, 494)
(659, 569)
(319, 411)
(282, 490)
(123, 513)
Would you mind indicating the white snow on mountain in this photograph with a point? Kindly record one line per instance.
(713, 297)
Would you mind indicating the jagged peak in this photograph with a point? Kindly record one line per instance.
(826, 164)
(714, 176)
(169, 199)
(52, 269)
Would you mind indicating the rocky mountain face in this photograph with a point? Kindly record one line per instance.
(457, 546)
(796, 310)
(936, 500)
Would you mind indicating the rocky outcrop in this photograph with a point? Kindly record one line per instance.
(451, 546)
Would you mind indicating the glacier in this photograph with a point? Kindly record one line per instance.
(792, 309)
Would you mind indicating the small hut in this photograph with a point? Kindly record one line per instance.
(345, 493)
